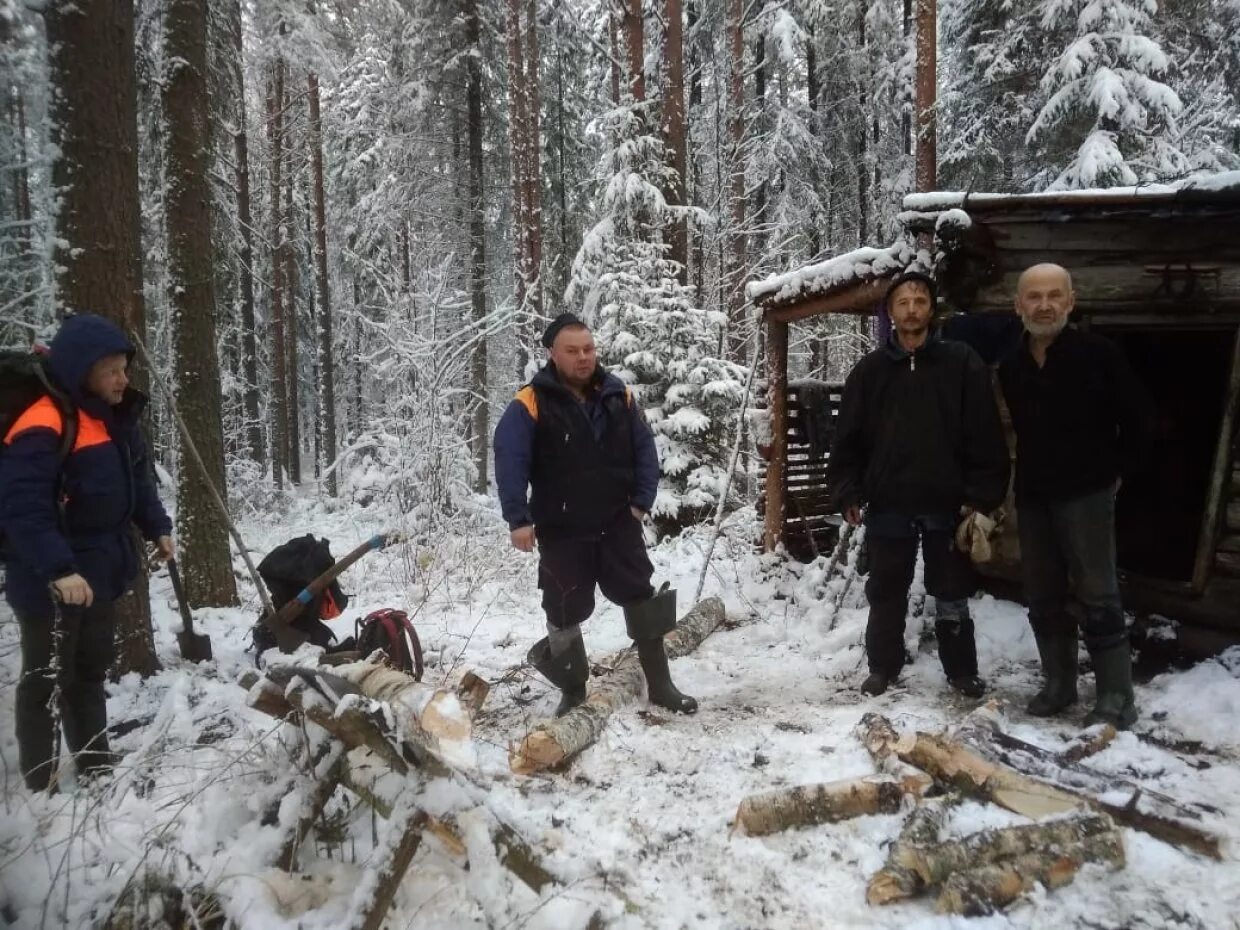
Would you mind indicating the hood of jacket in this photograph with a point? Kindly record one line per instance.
(82, 340)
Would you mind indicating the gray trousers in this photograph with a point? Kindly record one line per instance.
(1070, 546)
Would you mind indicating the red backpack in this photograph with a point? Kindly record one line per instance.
(389, 629)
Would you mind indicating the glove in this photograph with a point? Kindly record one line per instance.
(974, 535)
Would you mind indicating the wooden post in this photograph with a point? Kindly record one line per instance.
(777, 401)
(927, 85)
(1219, 474)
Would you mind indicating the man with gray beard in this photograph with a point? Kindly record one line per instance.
(1082, 420)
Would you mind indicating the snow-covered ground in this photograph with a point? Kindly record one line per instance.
(638, 829)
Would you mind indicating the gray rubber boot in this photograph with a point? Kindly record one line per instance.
(568, 669)
(1115, 703)
(1058, 693)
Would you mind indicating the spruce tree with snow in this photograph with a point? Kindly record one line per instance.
(651, 333)
(1107, 118)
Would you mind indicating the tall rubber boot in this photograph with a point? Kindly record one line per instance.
(36, 756)
(1058, 653)
(568, 670)
(648, 622)
(1115, 703)
(86, 728)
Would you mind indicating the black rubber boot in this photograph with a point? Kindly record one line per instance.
(568, 670)
(968, 685)
(86, 728)
(659, 685)
(876, 683)
(1115, 703)
(1058, 693)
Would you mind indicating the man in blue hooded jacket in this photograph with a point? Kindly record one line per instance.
(67, 530)
(575, 440)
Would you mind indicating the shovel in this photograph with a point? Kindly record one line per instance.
(196, 647)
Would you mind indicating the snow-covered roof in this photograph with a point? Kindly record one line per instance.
(946, 200)
(855, 267)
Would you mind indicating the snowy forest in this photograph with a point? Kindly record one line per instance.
(336, 231)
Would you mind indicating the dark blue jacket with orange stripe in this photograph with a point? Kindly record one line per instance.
(107, 480)
(581, 463)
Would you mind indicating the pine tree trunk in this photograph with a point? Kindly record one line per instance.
(613, 33)
(927, 82)
(202, 530)
(327, 362)
(674, 132)
(517, 159)
(757, 243)
(21, 177)
(99, 251)
(735, 276)
(635, 45)
(695, 102)
(477, 246)
(292, 283)
(813, 90)
(249, 336)
(533, 164)
(863, 146)
(279, 389)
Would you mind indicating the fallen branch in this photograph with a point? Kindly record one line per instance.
(391, 873)
(809, 805)
(556, 742)
(1087, 743)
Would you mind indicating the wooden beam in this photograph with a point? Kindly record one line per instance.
(1220, 474)
(856, 298)
(777, 403)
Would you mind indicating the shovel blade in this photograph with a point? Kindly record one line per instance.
(195, 647)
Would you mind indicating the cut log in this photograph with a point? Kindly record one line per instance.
(472, 692)
(809, 805)
(983, 890)
(436, 716)
(935, 863)
(897, 882)
(956, 766)
(556, 742)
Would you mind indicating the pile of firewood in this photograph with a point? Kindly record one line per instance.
(1076, 812)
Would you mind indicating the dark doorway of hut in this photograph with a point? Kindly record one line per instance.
(1160, 509)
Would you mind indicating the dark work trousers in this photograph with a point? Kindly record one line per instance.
(949, 579)
(615, 560)
(86, 653)
(1071, 546)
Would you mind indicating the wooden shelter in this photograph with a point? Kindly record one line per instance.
(1155, 269)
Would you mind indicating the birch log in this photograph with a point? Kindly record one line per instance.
(983, 890)
(965, 768)
(556, 742)
(809, 805)
(895, 881)
(956, 766)
(934, 863)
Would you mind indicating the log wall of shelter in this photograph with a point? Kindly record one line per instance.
(810, 526)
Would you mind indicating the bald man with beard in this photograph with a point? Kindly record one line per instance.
(1082, 419)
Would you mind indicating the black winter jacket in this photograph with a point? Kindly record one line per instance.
(1081, 420)
(919, 433)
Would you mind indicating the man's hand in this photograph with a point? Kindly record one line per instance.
(522, 538)
(165, 548)
(853, 514)
(74, 590)
(638, 514)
